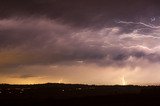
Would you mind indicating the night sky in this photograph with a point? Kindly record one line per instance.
(80, 41)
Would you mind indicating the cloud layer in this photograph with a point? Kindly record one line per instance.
(79, 39)
(44, 41)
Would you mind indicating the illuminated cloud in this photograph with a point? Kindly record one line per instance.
(61, 40)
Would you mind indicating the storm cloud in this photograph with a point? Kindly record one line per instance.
(64, 35)
(46, 41)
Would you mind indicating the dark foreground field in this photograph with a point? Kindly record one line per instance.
(78, 95)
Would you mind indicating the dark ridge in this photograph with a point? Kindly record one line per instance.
(77, 94)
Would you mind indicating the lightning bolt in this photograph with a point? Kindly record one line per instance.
(139, 23)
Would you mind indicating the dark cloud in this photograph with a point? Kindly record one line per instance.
(44, 40)
(84, 13)
(25, 76)
(39, 32)
(32, 41)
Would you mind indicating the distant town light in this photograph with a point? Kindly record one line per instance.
(79, 88)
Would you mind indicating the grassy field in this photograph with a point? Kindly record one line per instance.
(78, 95)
